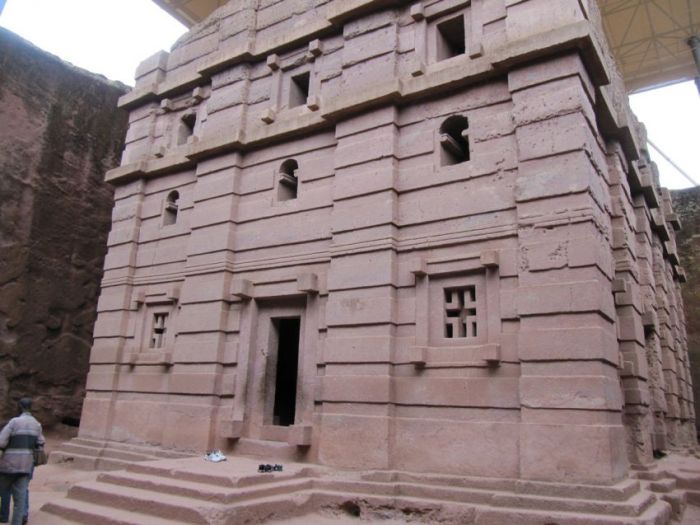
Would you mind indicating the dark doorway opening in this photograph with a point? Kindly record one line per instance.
(287, 371)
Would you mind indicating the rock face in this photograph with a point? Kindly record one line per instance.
(687, 205)
(60, 132)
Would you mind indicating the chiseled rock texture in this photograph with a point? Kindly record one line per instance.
(687, 205)
(60, 131)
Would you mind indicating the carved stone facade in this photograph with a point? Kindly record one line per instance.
(419, 236)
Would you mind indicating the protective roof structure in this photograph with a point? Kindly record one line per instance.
(649, 38)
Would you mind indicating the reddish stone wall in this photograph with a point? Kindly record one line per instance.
(478, 250)
(687, 205)
(60, 131)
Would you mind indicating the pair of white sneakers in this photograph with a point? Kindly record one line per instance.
(216, 456)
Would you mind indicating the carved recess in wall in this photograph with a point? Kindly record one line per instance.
(153, 327)
(457, 311)
(261, 303)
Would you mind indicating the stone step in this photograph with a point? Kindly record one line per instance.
(618, 492)
(376, 507)
(635, 506)
(269, 451)
(186, 471)
(84, 462)
(140, 501)
(394, 476)
(621, 491)
(204, 491)
(687, 480)
(693, 497)
(148, 450)
(678, 501)
(394, 489)
(657, 514)
(663, 485)
(77, 511)
(106, 452)
(649, 475)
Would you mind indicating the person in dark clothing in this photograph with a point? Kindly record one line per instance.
(18, 440)
(4, 506)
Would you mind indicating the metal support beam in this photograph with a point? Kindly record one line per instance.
(668, 159)
(694, 43)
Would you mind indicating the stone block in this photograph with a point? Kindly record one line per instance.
(599, 456)
(242, 288)
(354, 441)
(231, 428)
(300, 435)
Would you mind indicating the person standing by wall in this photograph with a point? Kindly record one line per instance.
(18, 439)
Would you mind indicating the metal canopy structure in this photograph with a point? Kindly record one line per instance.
(649, 38)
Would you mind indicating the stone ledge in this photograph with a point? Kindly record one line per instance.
(436, 79)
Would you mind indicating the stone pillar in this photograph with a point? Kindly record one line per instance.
(112, 334)
(638, 354)
(204, 358)
(356, 388)
(569, 388)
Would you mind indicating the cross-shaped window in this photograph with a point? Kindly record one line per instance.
(460, 312)
(159, 328)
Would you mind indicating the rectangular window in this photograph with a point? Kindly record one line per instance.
(299, 89)
(158, 331)
(460, 313)
(451, 38)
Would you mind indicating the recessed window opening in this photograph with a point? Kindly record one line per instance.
(451, 38)
(187, 123)
(171, 208)
(460, 313)
(299, 89)
(158, 331)
(287, 184)
(286, 374)
(454, 140)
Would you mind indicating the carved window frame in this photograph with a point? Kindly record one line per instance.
(433, 277)
(148, 305)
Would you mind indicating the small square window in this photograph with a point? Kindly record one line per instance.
(451, 38)
(299, 89)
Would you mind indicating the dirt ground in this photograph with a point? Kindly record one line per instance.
(52, 482)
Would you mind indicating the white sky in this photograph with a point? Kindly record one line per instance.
(112, 37)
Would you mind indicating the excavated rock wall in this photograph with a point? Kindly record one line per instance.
(60, 130)
(687, 205)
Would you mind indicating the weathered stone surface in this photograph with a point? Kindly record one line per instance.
(686, 204)
(495, 292)
(60, 131)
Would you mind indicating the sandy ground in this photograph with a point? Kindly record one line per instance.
(52, 482)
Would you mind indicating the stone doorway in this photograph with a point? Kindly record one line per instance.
(286, 372)
(275, 390)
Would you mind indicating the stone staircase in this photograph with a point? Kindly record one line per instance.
(194, 491)
(90, 454)
(665, 485)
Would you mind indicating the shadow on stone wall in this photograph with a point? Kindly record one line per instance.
(60, 132)
(686, 203)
